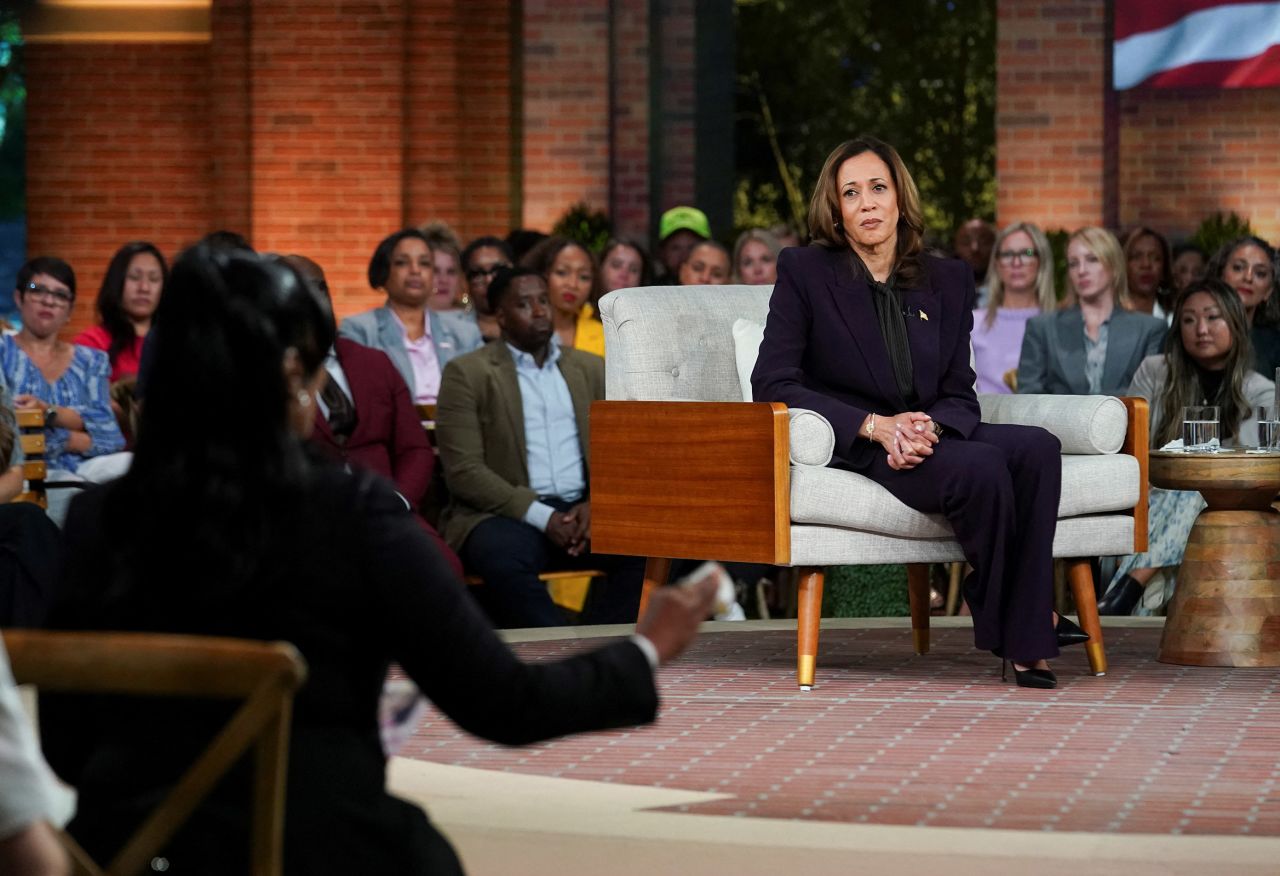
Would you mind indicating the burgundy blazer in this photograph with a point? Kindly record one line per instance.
(822, 347)
(388, 438)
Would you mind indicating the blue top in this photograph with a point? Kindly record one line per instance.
(550, 433)
(83, 386)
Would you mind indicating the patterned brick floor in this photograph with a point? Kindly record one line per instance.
(887, 737)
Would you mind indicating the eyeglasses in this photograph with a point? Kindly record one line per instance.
(56, 297)
(489, 272)
(1008, 256)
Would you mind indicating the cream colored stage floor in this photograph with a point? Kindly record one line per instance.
(513, 823)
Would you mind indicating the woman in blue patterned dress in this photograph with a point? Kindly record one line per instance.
(67, 382)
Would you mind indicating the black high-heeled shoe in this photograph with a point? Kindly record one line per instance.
(1044, 679)
(1069, 633)
(1121, 598)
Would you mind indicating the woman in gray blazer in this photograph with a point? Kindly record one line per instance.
(420, 341)
(1094, 346)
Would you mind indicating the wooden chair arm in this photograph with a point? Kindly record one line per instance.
(691, 480)
(1137, 443)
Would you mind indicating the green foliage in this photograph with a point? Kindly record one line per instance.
(919, 74)
(591, 228)
(865, 591)
(13, 102)
(1220, 228)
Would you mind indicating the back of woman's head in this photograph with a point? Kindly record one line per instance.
(223, 330)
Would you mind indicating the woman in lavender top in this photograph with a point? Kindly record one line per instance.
(67, 382)
(1021, 285)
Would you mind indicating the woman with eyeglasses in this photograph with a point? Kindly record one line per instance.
(67, 382)
(1020, 278)
(480, 262)
(1094, 346)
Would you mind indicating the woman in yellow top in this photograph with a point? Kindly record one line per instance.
(573, 285)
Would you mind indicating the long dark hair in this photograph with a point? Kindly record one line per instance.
(1267, 313)
(217, 471)
(1182, 384)
(111, 295)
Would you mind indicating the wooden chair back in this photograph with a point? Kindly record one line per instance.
(34, 469)
(263, 676)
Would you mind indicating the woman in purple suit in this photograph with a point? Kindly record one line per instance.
(873, 334)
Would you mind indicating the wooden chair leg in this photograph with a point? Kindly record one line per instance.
(809, 621)
(918, 595)
(656, 572)
(1080, 575)
(955, 576)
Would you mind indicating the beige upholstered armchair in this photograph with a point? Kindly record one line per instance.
(682, 468)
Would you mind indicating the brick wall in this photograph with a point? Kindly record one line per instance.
(565, 59)
(1071, 153)
(117, 150)
(629, 167)
(677, 103)
(1050, 113)
(1186, 154)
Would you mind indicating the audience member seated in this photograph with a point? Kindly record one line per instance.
(785, 234)
(755, 257)
(707, 265)
(573, 284)
(127, 300)
(1248, 265)
(1149, 272)
(446, 252)
(679, 230)
(480, 261)
(1189, 262)
(512, 428)
(30, 806)
(365, 418)
(520, 240)
(420, 341)
(1020, 282)
(972, 244)
(272, 546)
(67, 382)
(1207, 363)
(1095, 345)
(624, 265)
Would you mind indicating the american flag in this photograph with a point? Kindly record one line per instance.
(1189, 43)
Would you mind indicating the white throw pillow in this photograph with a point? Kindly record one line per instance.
(747, 336)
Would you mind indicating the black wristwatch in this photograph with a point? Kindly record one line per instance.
(50, 414)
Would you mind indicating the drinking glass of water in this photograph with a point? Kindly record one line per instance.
(1268, 417)
(1200, 428)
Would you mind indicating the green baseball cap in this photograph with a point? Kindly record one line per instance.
(684, 219)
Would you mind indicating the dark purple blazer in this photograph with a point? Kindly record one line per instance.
(823, 350)
(388, 438)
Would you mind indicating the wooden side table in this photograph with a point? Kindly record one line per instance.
(1226, 609)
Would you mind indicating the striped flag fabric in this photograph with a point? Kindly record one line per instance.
(1196, 43)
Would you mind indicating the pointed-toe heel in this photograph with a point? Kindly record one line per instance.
(1044, 679)
(1121, 599)
(1069, 633)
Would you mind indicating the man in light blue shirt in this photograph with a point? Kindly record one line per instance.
(512, 427)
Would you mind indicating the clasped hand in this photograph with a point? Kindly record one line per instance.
(908, 438)
(571, 529)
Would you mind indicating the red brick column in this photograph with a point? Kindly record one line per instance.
(629, 86)
(565, 108)
(327, 98)
(1051, 116)
(118, 150)
(678, 101)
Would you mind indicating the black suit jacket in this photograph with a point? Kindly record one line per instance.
(354, 583)
(822, 347)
